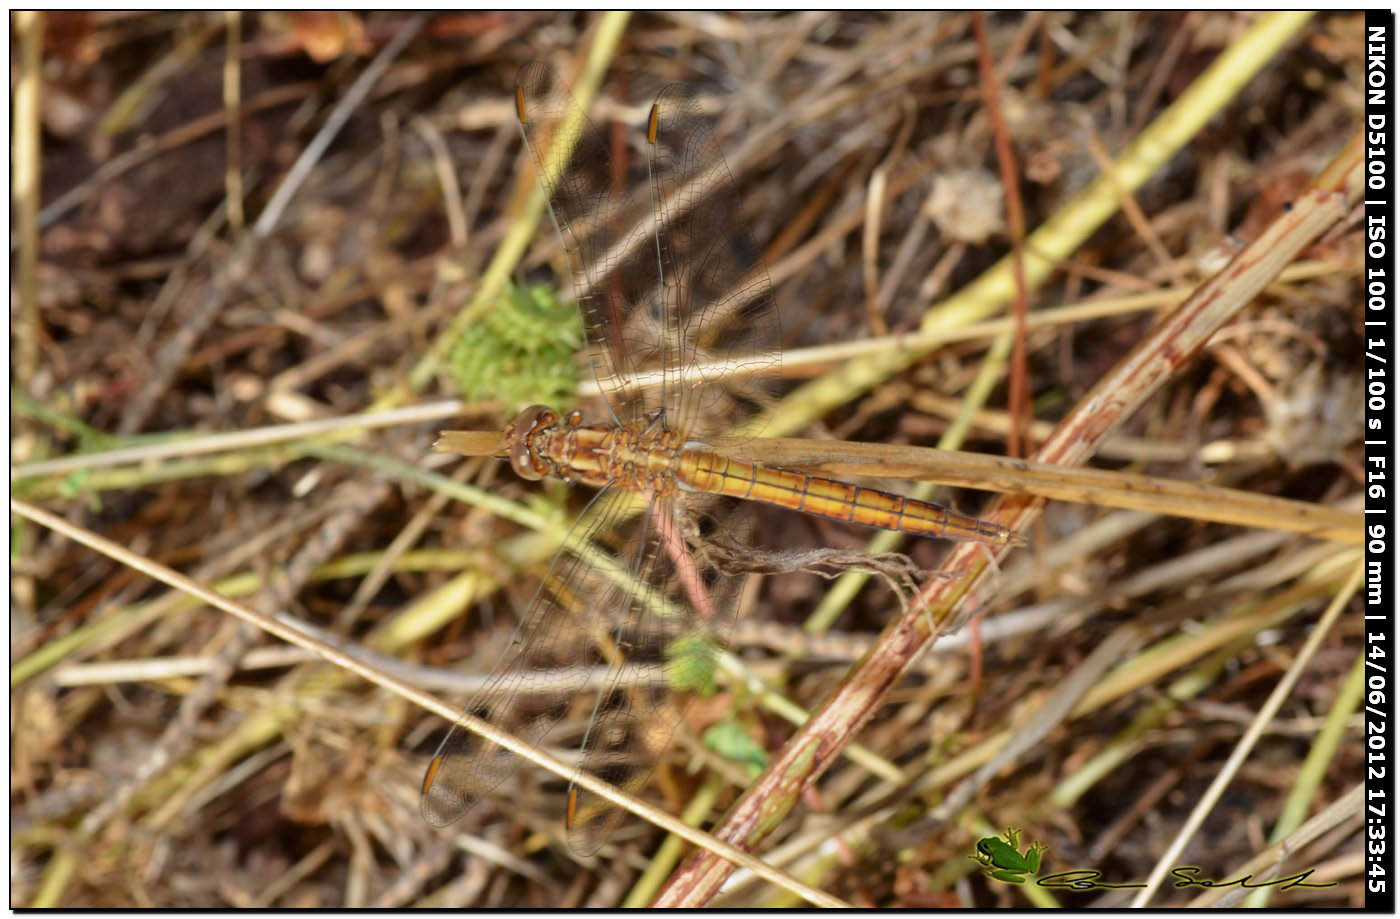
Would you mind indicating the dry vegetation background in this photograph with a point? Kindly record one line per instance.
(164, 754)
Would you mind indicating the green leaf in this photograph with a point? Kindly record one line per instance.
(75, 485)
(729, 739)
(691, 661)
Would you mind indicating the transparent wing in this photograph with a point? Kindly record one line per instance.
(638, 621)
(612, 259)
(540, 678)
(668, 652)
(722, 336)
(679, 294)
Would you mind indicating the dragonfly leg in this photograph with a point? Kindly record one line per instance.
(678, 549)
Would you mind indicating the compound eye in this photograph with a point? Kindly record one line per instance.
(523, 461)
(519, 441)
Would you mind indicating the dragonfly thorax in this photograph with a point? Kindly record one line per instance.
(638, 457)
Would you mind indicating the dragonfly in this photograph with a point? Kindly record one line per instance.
(675, 296)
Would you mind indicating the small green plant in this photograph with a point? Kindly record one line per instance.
(690, 664)
(523, 352)
(75, 487)
(1001, 859)
(729, 739)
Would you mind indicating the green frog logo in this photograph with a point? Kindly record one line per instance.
(1002, 859)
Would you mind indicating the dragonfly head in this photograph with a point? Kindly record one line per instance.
(519, 447)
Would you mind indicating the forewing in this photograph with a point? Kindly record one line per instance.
(721, 334)
(677, 620)
(612, 259)
(541, 675)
